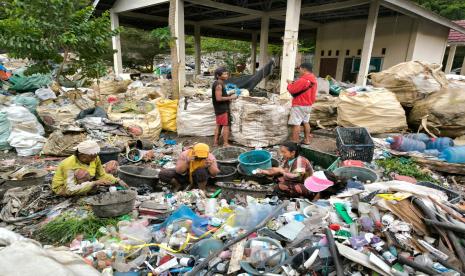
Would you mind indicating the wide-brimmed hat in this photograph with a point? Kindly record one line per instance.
(318, 182)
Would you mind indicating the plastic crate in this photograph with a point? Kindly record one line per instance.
(319, 158)
(452, 197)
(354, 143)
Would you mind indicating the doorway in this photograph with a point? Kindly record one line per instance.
(328, 66)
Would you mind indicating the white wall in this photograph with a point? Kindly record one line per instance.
(430, 43)
(393, 33)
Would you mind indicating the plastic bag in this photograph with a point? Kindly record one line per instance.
(30, 103)
(45, 94)
(248, 218)
(135, 232)
(149, 123)
(22, 256)
(4, 131)
(379, 111)
(23, 83)
(259, 122)
(26, 132)
(184, 213)
(411, 81)
(196, 117)
(55, 116)
(168, 111)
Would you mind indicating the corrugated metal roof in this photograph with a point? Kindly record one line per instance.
(456, 37)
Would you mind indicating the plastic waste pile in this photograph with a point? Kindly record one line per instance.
(391, 228)
(442, 147)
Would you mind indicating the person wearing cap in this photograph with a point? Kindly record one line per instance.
(221, 101)
(303, 92)
(80, 173)
(291, 173)
(193, 168)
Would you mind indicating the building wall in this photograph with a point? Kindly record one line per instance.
(402, 37)
(430, 43)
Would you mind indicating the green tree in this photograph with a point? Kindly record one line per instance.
(452, 9)
(50, 32)
(139, 48)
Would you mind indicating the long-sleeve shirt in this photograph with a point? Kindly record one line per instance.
(64, 182)
(308, 83)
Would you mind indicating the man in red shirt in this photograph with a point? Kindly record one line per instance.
(303, 92)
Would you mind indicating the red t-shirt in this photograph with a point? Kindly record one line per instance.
(307, 98)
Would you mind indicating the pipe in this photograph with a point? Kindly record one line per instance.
(405, 261)
(334, 253)
(446, 225)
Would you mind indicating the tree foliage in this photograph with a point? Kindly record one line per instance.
(452, 9)
(139, 48)
(50, 32)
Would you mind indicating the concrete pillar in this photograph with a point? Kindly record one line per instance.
(263, 59)
(116, 45)
(253, 56)
(317, 56)
(197, 47)
(462, 71)
(180, 42)
(450, 59)
(368, 43)
(290, 45)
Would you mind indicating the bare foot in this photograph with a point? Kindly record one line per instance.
(306, 142)
(215, 145)
(226, 145)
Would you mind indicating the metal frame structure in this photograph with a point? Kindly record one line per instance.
(273, 21)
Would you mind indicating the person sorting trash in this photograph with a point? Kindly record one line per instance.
(82, 172)
(193, 168)
(303, 92)
(221, 102)
(291, 173)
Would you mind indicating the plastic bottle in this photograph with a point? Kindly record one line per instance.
(454, 154)
(418, 136)
(404, 144)
(440, 144)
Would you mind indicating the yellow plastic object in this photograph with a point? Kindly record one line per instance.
(168, 110)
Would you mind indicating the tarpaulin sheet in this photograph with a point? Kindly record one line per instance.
(250, 81)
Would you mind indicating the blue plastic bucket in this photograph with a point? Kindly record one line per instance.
(256, 159)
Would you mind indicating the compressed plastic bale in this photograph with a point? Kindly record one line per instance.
(168, 111)
(196, 117)
(444, 111)
(259, 122)
(379, 111)
(411, 81)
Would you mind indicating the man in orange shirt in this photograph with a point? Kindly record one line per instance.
(303, 92)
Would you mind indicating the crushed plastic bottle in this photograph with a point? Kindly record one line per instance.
(404, 144)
